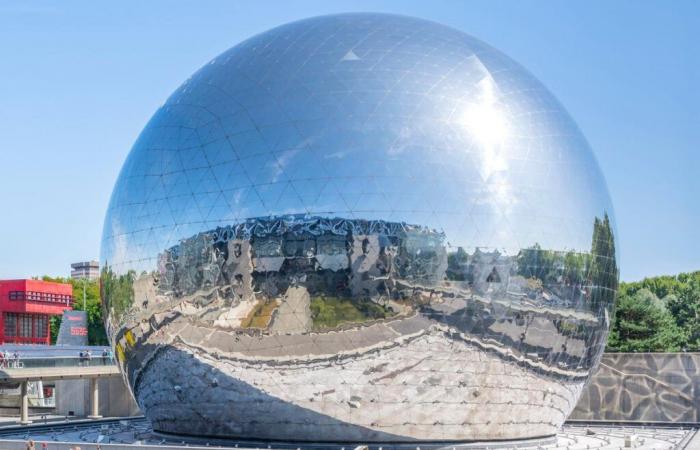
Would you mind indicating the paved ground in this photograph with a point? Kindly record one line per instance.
(693, 442)
(115, 434)
(294, 314)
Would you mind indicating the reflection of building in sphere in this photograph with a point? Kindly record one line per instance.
(359, 228)
(345, 259)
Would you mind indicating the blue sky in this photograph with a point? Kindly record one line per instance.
(79, 80)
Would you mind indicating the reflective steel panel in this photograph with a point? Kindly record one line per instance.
(359, 227)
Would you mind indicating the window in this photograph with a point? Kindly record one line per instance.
(267, 247)
(41, 326)
(25, 326)
(28, 326)
(41, 297)
(291, 247)
(493, 277)
(10, 325)
(331, 245)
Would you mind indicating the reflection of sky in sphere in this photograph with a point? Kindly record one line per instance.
(361, 117)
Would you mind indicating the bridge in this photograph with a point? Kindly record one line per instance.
(15, 375)
(24, 369)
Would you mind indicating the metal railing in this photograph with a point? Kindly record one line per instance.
(42, 402)
(38, 362)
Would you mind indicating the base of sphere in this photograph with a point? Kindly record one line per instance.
(430, 389)
(242, 442)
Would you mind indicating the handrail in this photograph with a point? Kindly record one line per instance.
(22, 358)
(37, 362)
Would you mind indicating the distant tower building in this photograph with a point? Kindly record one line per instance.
(86, 269)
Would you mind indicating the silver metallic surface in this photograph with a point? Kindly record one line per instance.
(359, 227)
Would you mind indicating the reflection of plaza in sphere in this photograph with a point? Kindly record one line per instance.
(359, 227)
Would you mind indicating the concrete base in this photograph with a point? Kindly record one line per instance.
(115, 399)
(24, 422)
(194, 441)
(137, 434)
(94, 417)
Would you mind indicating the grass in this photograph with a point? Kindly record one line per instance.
(260, 316)
(330, 312)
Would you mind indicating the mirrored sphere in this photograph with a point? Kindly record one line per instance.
(359, 227)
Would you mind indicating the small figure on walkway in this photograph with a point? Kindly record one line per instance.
(30, 445)
(107, 356)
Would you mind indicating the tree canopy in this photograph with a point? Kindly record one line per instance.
(659, 314)
(93, 306)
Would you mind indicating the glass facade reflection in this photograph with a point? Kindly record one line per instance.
(359, 227)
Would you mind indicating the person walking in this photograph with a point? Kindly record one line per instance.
(30, 445)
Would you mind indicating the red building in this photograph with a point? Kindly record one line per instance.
(26, 306)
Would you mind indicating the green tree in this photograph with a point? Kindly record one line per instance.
(119, 292)
(684, 303)
(603, 269)
(681, 298)
(535, 262)
(575, 268)
(93, 306)
(643, 323)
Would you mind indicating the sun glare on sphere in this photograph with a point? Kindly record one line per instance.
(486, 122)
(484, 119)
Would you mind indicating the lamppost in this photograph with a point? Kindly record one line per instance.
(84, 283)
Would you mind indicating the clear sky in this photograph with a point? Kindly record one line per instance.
(79, 80)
